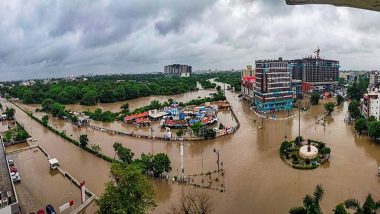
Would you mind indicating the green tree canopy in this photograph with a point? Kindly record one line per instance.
(314, 99)
(311, 203)
(360, 125)
(83, 140)
(339, 99)
(374, 129)
(353, 109)
(329, 107)
(128, 191)
(160, 164)
(123, 153)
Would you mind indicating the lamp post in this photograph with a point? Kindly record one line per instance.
(217, 162)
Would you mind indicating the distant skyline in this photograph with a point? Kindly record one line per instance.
(59, 38)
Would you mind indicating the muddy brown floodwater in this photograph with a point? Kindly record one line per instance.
(256, 180)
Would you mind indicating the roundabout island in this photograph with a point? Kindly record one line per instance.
(304, 154)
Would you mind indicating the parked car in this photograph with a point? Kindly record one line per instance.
(13, 169)
(50, 209)
(11, 163)
(15, 177)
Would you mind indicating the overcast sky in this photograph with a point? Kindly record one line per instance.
(58, 38)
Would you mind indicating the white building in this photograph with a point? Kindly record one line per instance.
(370, 104)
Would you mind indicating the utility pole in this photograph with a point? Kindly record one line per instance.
(217, 162)
(299, 121)
(181, 154)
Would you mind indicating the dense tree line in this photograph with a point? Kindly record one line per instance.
(358, 88)
(104, 89)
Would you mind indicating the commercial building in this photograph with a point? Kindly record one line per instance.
(317, 75)
(297, 89)
(370, 104)
(248, 72)
(248, 83)
(178, 70)
(273, 90)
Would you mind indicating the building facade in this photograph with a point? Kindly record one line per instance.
(370, 104)
(273, 89)
(248, 83)
(178, 70)
(374, 78)
(320, 75)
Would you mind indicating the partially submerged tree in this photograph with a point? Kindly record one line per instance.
(83, 140)
(329, 107)
(128, 191)
(369, 206)
(194, 202)
(311, 204)
(124, 154)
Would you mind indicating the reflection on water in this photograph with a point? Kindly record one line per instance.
(256, 178)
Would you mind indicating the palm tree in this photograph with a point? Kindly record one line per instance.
(369, 207)
(310, 203)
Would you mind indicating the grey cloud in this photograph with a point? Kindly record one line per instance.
(58, 38)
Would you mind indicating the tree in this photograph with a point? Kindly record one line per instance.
(90, 98)
(209, 134)
(374, 129)
(339, 99)
(47, 105)
(83, 140)
(194, 202)
(45, 120)
(145, 162)
(128, 191)
(196, 127)
(340, 209)
(329, 106)
(96, 148)
(369, 206)
(353, 109)
(123, 153)
(371, 118)
(314, 99)
(180, 133)
(125, 107)
(160, 164)
(310, 203)
(218, 88)
(10, 113)
(360, 125)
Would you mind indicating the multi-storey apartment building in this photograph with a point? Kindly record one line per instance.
(178, 70)
(370, 104)
(273, 90)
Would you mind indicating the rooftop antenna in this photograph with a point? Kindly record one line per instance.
(317, 52)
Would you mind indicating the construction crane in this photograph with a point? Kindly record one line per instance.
(317, 52)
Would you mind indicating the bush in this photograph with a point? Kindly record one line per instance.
(285, 146)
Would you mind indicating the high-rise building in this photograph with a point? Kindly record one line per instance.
(178, 70)
(374, 78)
(317, 74)
(248, 72)
(273, 89)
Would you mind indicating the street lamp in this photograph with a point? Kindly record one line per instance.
(217, 153)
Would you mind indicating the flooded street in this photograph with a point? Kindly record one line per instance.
(256, 179)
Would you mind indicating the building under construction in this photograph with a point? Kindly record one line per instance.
(317, 74)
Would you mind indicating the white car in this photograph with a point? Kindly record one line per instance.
(15, 177)
(11, 163)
